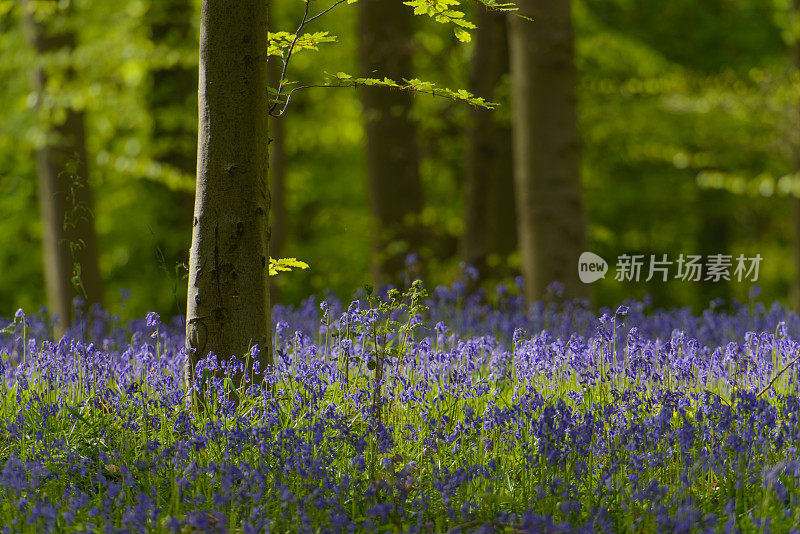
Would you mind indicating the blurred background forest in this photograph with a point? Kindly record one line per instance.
(687, 118)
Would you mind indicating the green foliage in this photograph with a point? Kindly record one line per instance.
(280, 42)
(443, 12)
(285, 265)
(284, 44)
(671, 102)
(662, 117)
(415, 85)
(440, 11)
(112, 67)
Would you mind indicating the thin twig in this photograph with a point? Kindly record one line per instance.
(286, 63)
(323, 12)
(778, 375)
(303, 23)
(353, 84)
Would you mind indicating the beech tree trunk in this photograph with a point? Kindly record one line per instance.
(277, 169)
(395, 190)
(550, 216)
(489, 212)
(228, 306)
(65, 198)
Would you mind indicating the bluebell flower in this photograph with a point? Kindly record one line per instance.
(152, 319)
(470, 271)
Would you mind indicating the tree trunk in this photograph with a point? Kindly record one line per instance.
(65, 198)
(550, 217)
(228, 306)
(174, 89)
(489, 213)
(795, 287)
(395, 190)
(713, 237)
(277, 169)
(794, 57)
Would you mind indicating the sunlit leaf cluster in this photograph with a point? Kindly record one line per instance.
(414, 85)
(441, 11)
(281, 42)
(285, 265)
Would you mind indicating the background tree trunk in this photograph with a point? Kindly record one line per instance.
(172, 99)
(794, 58)
(174, 88)
(713, 238)
(489, 212)
(65, 198)
(228, 306)
(551, 220)
(279, 218)
(395, 191)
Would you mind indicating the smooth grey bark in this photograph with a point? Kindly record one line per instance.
(395, 190)
(228, 301)
(65, 198)
(550, 216)
(489, 211)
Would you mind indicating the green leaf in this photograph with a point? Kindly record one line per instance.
(441, 11)
(280, 42)
(285, 265)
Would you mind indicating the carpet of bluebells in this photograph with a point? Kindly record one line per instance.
(488, 416)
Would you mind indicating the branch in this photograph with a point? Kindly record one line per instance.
(495, 6)
(342, 79)
(318, 15)
(286, 62)
(438, 10)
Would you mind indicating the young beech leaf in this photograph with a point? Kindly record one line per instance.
(285, 264)
(280, 42)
